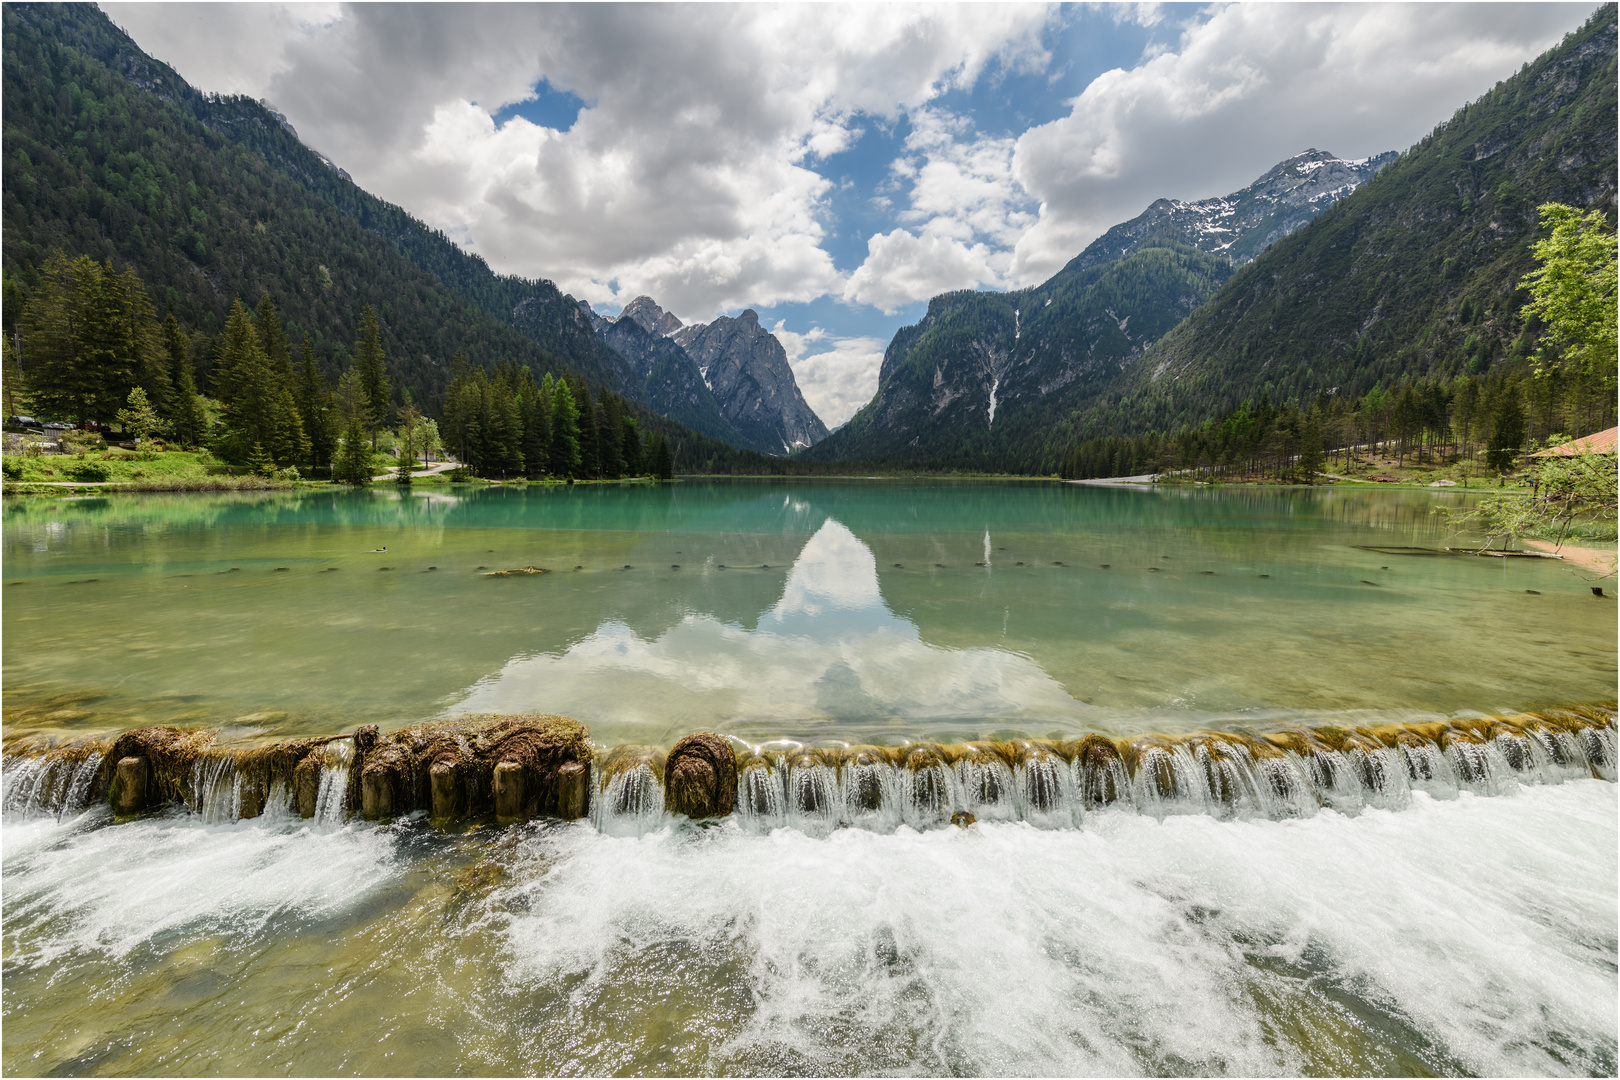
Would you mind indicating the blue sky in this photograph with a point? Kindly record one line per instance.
(830, 166)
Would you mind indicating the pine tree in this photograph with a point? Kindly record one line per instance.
(316, 408)
(631, 447)
(590, 461)
(258, 406)
(353, 463)
(72, 343)
(662, 464)
(564, 431)
(273, 338)
(610, 433)
(1507, 432)
(368, 361)
(1310, 448)
(259, 462)
(536, 428)
(185, 414)
(141, 337)
(407, 446)
(138, 418)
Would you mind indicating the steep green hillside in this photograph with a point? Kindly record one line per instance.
(1414, 274)
(986, 380)
(109, 153)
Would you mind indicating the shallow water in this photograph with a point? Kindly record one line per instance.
(1423, 929)
(844, 610)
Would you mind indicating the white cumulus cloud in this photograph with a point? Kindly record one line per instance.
(837, 375)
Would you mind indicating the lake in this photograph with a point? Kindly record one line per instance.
(1464, 928)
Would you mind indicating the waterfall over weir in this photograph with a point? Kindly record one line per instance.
(512, 769)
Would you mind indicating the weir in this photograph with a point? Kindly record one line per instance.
(511, 769)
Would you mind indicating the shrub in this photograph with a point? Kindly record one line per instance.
(93, 471)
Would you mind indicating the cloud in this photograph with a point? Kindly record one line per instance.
(224, 48)
(690, 175)
(835, 381)
(965, 206)
(1251, 85)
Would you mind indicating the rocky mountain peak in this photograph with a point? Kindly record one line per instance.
(650, 317)
(1241, 225)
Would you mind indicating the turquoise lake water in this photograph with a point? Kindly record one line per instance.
(874, 611)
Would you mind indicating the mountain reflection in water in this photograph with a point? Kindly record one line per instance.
(828, 658)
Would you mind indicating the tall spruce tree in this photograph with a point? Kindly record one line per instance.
(185, 413)
(316, 408)
(368, 361)
(258, 405)
(564, 431)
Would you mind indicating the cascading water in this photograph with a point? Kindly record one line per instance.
(334, 785)
(59, 787)
(216, 787)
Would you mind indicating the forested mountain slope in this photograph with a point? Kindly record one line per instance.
(110, 153)
(981, 381)
(1416, 273)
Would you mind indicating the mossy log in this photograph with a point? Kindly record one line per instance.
(700, 777)
(515, 768)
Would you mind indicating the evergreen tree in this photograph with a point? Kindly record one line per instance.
(72, 343)
(353, 462)
(274, 338)
(368, 361)
(1507, 432)
(564, 431)
(631, 447)
(610, 433)
(11, 377)
(316, 407)
(185, 413)
(138, 418)
(662, 465)
(141, 337)
(259, 463)
(258, 405)
(590, 461)
(407, 446)
(536, 428)
(1310, 447)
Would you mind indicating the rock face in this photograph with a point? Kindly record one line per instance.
(1243, 224)
(660, 373)
(747, 369)
(729, 378)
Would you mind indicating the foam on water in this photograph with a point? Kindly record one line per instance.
(78, 888)
(1467, 934)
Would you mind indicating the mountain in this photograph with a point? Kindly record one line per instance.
(1246, 222)
(747, 369)
(111, 153)
(739, 365)
(985, 379)
(662, 372)
(1029, 358)
(1415, 273)
(1410, 272)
